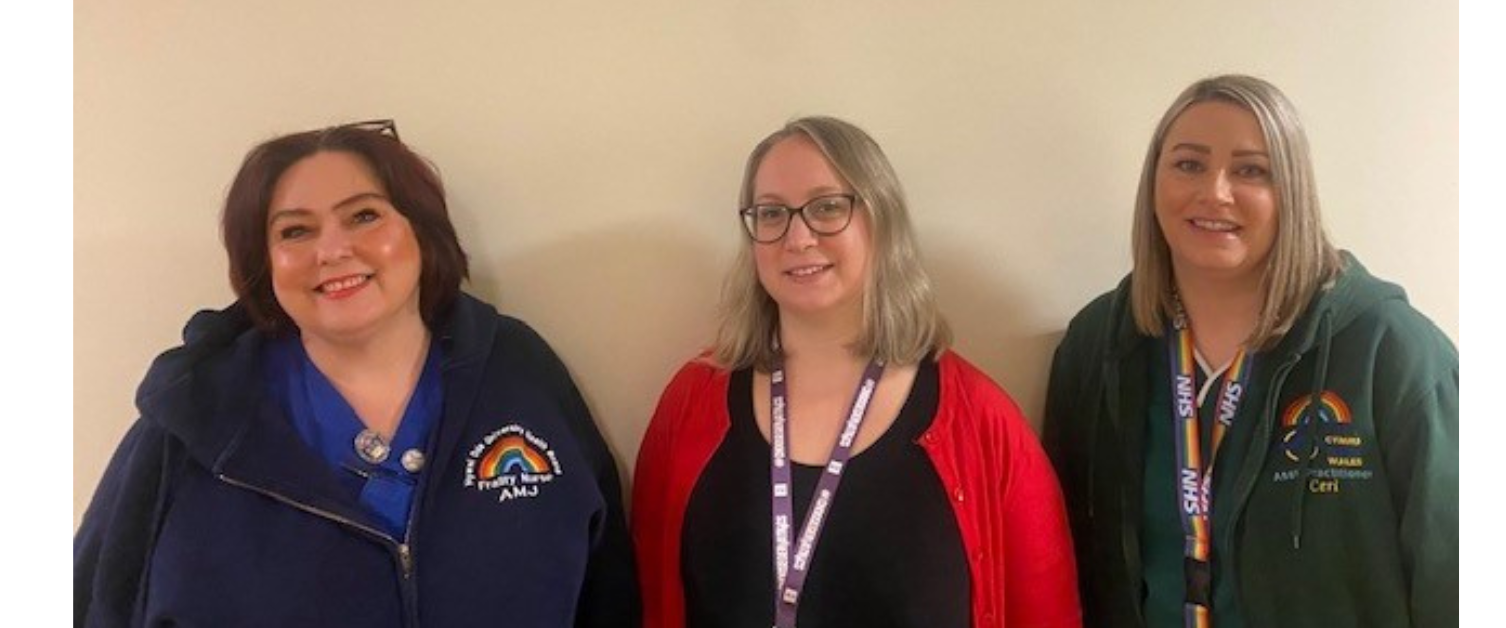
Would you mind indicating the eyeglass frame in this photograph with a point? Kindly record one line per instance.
(386, 127)
(747, 218)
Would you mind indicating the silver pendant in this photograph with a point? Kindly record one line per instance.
(371, 448)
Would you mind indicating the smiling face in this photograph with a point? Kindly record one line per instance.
(808, 275)
(1214, 197)
(345, 263)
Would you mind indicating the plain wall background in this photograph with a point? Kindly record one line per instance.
(592, 153)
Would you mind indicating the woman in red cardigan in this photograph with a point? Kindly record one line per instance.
(831, 371)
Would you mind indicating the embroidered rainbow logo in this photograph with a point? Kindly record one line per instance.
(1332, 410)
(512, 454)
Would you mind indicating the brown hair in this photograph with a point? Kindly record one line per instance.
(411, 183)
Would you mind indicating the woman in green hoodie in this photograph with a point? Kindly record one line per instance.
(1251, 430)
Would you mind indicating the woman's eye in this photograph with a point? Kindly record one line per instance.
(1252, 172)
(292, 232)
(365, 216)
(771, 213)
(1187, 165)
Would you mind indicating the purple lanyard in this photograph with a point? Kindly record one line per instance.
(1194, 473)
(787, 589)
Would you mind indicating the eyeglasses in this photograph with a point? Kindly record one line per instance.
(385, 127)
(825, 215)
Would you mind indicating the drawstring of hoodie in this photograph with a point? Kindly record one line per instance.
(1311, 417)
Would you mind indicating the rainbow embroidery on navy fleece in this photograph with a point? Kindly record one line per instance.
(512, 461)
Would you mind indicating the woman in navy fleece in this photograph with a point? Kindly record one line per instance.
(354, 441)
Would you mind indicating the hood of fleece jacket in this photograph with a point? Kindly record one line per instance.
(1353, 293)
(205, 391)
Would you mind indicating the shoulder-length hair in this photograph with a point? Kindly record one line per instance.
(901, 322)
(411, 183)
(1302, 260)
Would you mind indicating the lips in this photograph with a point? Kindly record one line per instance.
(342, 286)
(804, 272)
(1214, 225)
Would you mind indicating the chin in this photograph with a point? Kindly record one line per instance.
(818, 309)
(1217, 262)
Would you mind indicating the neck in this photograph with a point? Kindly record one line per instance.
(376, 374)
(818, 341)
(396, 346)
(1221, 313)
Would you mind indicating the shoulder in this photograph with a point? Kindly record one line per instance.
(518, 335)
(1101, 309)
(1373, 317)
(690, 418)
(1396, 357)
(476, 329)
(1369, 309)
(969, 380)
(967, 388)
(699, 373)
(696, 394)
(977, 411)
(696, 383)
(1095, 322)
(140, 449)
(1406, 334)
(474, 326)
(211, 339)
(1412, 360)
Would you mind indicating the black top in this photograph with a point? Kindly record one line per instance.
(890, 554)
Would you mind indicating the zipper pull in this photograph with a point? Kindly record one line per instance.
(405, 557)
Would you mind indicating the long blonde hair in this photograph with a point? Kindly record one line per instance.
(901, 322)
(1302, 260)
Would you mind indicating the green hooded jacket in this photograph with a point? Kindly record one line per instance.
(1362, 531)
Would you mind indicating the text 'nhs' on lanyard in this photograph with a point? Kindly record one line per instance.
(789, 575)
(1194, 477)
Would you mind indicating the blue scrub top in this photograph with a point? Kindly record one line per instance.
(329, 426)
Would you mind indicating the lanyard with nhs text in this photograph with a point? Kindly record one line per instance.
(789, 575)
(1194, 477)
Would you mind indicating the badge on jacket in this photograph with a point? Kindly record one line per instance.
(1338, 453)
(512, 461)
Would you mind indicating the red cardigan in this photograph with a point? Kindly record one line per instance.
(1004, 493)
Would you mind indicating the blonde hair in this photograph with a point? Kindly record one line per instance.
(901, 322)
(1302, 260)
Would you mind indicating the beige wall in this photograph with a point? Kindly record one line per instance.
(593, 151)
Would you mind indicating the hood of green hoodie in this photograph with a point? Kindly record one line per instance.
(1354, 292)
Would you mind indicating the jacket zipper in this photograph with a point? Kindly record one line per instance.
(404, 554)
(1259, 444)
(406, 559)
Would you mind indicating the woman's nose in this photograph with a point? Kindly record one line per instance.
(333, 245)
(1218, 188)
(799, 236)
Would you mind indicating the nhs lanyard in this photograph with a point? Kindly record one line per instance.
(789, 575)
(1194, 477)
